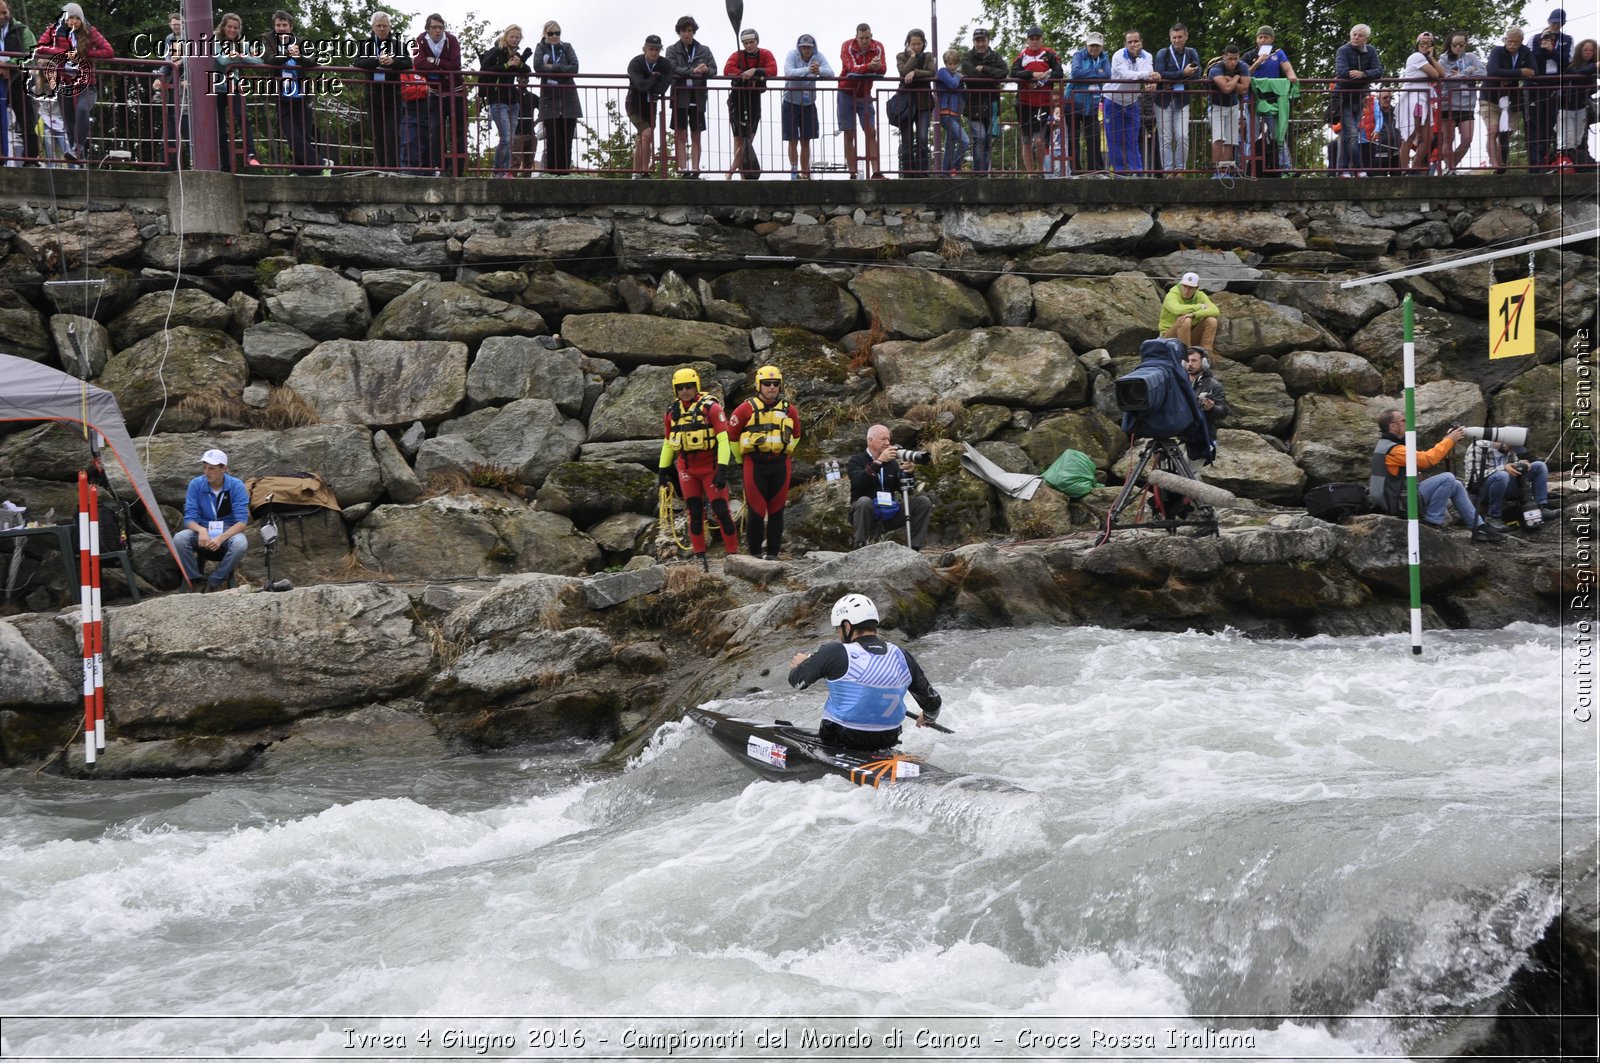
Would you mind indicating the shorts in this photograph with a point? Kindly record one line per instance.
(800, 121)
(854, 108)
(1225, 124)
(688, 116)
(1458, 117)
(642, 121)
(1032, 120)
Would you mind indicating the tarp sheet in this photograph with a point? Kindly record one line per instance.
(1020, 485)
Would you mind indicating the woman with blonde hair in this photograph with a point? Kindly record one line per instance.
(502, 67)
(558, 97)
(232, 51)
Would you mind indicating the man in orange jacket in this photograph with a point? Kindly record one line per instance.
(1386, 485)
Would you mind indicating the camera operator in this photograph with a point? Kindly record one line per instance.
(1386, 486)
(1207, 388)
(1511, 474)
(875, 499)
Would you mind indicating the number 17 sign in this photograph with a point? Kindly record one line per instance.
(1511, 318)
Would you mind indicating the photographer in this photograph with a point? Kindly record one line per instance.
(1508, 469)
(1386, 486)
(875, 498)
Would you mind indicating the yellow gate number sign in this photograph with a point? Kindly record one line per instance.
(1511, 318)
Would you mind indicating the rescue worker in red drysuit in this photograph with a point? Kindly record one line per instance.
(763, 432)
(694, 460)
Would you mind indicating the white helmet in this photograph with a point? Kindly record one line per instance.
(855, 608)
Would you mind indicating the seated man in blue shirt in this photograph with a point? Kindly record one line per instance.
(215, 512)
(867, 680)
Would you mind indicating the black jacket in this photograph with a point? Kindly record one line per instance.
(864, 480)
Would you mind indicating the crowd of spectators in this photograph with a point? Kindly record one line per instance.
(1127, 110)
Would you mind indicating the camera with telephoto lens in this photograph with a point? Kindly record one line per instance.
(1510, 435)
(916, 457)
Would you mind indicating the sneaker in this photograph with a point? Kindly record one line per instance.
(1483, 533)
(856, 544)
(327, 167)
(251, 160)
(769, 557)
(1361, 173)
(1425, 522)
(794, 175)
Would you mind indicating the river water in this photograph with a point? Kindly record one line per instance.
(1228, 849)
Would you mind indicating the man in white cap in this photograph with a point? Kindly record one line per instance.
(1189, 315)
(215, 513)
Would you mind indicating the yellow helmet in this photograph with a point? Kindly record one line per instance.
(768, 372)
(685, 376)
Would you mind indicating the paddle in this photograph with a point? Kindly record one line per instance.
(936, 726)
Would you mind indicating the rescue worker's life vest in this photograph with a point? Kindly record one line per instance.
(692, 429)
(770, 432)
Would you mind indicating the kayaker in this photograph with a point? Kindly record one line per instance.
(867, 680)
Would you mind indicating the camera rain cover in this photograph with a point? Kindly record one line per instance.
(1173, 408)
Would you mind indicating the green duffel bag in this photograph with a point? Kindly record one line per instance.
(1073, 474)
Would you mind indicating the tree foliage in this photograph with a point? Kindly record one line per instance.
(1311, 32)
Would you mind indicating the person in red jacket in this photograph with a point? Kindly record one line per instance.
(763, 432)
(694, 460)
(436, 55)
(73, 45)
(861, 62)
(749, 67)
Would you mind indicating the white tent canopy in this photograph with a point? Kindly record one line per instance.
(33, 392)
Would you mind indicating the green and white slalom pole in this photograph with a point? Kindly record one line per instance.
(1413, 532)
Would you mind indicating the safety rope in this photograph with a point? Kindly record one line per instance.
(669, 525)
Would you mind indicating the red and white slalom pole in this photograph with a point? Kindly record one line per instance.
(98, 621)
(86, 598)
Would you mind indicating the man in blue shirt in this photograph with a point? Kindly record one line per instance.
(867, 680)
(215, 512)
(1176, 64)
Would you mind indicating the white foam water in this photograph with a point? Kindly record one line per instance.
(1319, 849)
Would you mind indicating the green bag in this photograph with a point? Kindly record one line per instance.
(1073, 474)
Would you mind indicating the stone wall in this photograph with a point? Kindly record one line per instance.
(479, 368)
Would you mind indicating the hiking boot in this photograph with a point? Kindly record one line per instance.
(1549, 512)
(705, 565)
(1495, 524)
(1485, 534)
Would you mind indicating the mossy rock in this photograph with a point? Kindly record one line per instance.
(1087, 430)
(963, 505)
(590, 491)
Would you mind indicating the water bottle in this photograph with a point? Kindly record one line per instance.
(831, 469)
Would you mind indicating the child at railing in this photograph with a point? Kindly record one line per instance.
(952, 107)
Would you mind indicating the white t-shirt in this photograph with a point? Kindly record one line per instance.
(1414, 65)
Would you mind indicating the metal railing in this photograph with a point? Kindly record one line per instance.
(1106, 128)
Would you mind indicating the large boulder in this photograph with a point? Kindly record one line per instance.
(640, 339)
(1257, 402)
(319, 302)
(379, 246)
(110, 291)
(786, 298)
(340, 453)
(555, 294)
(161, 371)
(843, 239)
(494, 671)
(149, 314)
(529, 437)
(1253, 230)
(589, 491)
(82, 344)
(634, 406)
(508, 368)
(273, 349)
(382, 383)
(1088, 430)
(1109, 231)
(1250, 467)
(998, 229)
(1330, 372)
(27, 678)
(1007, 366)
(1251, 327)
(1343, 309)
(545, 239)
(234, 662)
(1217, 269)
(93, 237)
(462, 537)
(1352, 241)
(1537, 401)
(22, 328)
(650, 245)
(1010, 299)
(917, 303)
(1447, 345)
(451, 311)
(1117, 313)
(1333, 439)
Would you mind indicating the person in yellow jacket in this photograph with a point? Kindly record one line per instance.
(1189, 315)
(763, 432)
(694, 460)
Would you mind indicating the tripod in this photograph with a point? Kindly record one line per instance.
(1163, 464)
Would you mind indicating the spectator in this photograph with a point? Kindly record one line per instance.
(1386, 484)
(384, 56)
(233, 54)
(649, 80)
(296, 120)
(74, 45)
(1090, 65)
(1544, 100)
(1124, 119)
(559, 107)
(803, 66)
(1572, 122)
(216, 510)
(1355, 66)
(1415, 107)
(443, 115)
(1036, 69)
(861, 62)
(876, 504)
(1207, 388)
(1189, 316)
(502, 66)
(917, 72)
(17, 43)
(1230, 82)
(690, 62)
(1511, 69)
(1463, 71)
(749, 67)
(952, 108)
(1380, 136)
(1176, 63)
(1509, 474)
(694, 459)
(982, 71)
(167, 93)
(762, 434)
(1274, 84)
(1556, 26)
